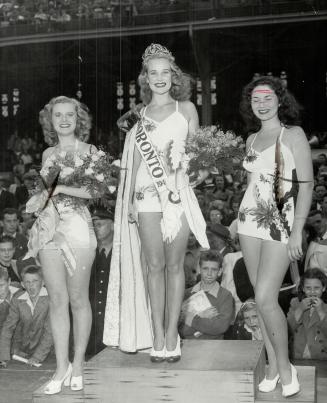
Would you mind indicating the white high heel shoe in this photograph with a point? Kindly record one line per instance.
(158, 355)
(54, 387)
(292, 388)
(76, 383)
(268, 385)
(174, 355)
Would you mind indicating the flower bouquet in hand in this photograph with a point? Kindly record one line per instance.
(211, 149)
(93, 171)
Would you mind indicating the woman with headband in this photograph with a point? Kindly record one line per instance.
(155, 210)
(273, 212)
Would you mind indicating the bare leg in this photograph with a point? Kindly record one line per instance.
(153, 248)
(273, 265)
(251, 250)
(78, 290)
(54, 274)
(175, 253)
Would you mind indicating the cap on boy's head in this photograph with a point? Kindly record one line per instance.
(219, 230)
(102, 213)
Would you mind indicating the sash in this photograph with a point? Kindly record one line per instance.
(170, 200)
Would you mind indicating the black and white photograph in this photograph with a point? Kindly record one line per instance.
(163, 201)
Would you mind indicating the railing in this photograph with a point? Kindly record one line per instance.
(176, 13)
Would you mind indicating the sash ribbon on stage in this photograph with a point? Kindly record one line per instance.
(172, 209)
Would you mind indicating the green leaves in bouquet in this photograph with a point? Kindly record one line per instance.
(212, 149)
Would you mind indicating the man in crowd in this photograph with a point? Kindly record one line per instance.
(103, 221)
(6, 293)
(25, 191)
(208, 308)
(10, 224)
(316, 220)
(26, 331)
(7, 199)
(7, 251)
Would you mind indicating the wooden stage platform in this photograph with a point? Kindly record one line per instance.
(219, 371)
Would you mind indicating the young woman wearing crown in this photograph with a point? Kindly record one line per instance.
(156, 208)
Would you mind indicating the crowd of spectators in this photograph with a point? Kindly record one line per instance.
(218, 296)
(57, 13)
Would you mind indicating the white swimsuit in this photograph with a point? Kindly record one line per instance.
(258, 214)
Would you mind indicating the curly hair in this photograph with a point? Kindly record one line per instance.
(83, 122)
(310, 274)
(181, 82)
(288, 110)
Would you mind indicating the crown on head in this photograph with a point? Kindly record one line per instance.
(156, 50)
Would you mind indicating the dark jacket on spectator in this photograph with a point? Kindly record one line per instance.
(310, 333)
(7, 200)
(214, 328)
(31, 329)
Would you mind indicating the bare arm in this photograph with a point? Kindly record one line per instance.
(303, 164)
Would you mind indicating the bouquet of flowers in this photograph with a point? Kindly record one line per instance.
(212, 149)
(92, 171)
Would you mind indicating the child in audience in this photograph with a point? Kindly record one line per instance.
(246, 326)
(208, 308)
(26, 331)
(307, 317)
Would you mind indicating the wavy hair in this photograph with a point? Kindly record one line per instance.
(288, 110)
(310, 274)
(83, 121)
(181, 83)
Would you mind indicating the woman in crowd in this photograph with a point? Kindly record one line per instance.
(307, 317)
(64, 239)
(155, 205)
(273, 212)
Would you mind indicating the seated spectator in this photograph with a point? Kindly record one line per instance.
(319, 224)
(27, 220)
(208, 308)
(324, 207)
(25, 191)
(191, 261)
(10, 224)
(6, 293)
(215, 216)
(246, 326)
(219, 239)
(7, 199)
(320, 191)
(7, 251)
(316, 256)
(227, 278)
(26, 331)
(307, 317)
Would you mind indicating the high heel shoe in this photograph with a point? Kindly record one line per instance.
(174, 355)
(76, 383)
(292, 388)
(54, 387)
(268, 385)
(158, 355)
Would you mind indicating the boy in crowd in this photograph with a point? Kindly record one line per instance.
(208, 308)
(26, 331)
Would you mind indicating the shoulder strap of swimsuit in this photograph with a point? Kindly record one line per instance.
(281, 134)
(252, 142)
(176, 106)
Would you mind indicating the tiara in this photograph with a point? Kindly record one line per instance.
(156, 50)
